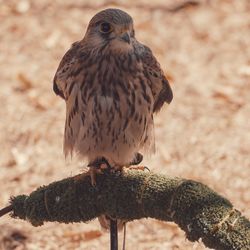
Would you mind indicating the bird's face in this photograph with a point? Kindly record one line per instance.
(111, 27)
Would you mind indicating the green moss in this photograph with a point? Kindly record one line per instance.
(198, 210)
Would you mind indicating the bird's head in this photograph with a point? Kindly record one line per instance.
(111, 27)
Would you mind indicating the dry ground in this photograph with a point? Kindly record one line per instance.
(203, 135)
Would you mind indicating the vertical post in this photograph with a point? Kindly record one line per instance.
(113, 235)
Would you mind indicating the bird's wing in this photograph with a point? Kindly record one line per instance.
(66, 85)
(160, 87)
(62, 83)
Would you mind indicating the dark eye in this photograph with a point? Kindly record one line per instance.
(105, 28)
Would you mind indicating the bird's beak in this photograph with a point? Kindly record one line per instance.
(125, 37)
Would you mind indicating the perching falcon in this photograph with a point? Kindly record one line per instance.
(112, 85)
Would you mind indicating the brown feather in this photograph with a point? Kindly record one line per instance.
(111, 88)
(160, 87)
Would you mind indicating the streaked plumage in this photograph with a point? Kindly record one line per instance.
(112, 85)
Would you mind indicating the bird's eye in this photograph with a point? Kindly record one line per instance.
(105, 28)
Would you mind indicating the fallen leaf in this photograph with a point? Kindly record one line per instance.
(24, 83)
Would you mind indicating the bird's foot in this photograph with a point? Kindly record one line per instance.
(141, 168)
(137, 160)
(92, 172)
(131, 166)
(96, 167)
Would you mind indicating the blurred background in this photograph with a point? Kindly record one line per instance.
(204, 135)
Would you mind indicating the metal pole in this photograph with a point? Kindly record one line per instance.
(113, 235)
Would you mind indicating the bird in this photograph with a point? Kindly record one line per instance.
(112, 85)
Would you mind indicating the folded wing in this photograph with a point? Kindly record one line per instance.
(160, 87)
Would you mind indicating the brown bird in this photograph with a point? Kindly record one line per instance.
(112, 85)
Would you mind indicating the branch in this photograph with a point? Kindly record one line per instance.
(6, 210)
(197, 209)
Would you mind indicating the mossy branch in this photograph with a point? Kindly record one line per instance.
(197, 209)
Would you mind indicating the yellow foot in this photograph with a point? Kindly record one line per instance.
(141, 168)
(92, 172)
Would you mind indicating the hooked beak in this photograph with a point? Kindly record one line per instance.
(125, 37)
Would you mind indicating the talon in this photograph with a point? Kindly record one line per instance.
(92, 172)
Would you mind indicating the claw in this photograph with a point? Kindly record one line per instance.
(92, 172)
